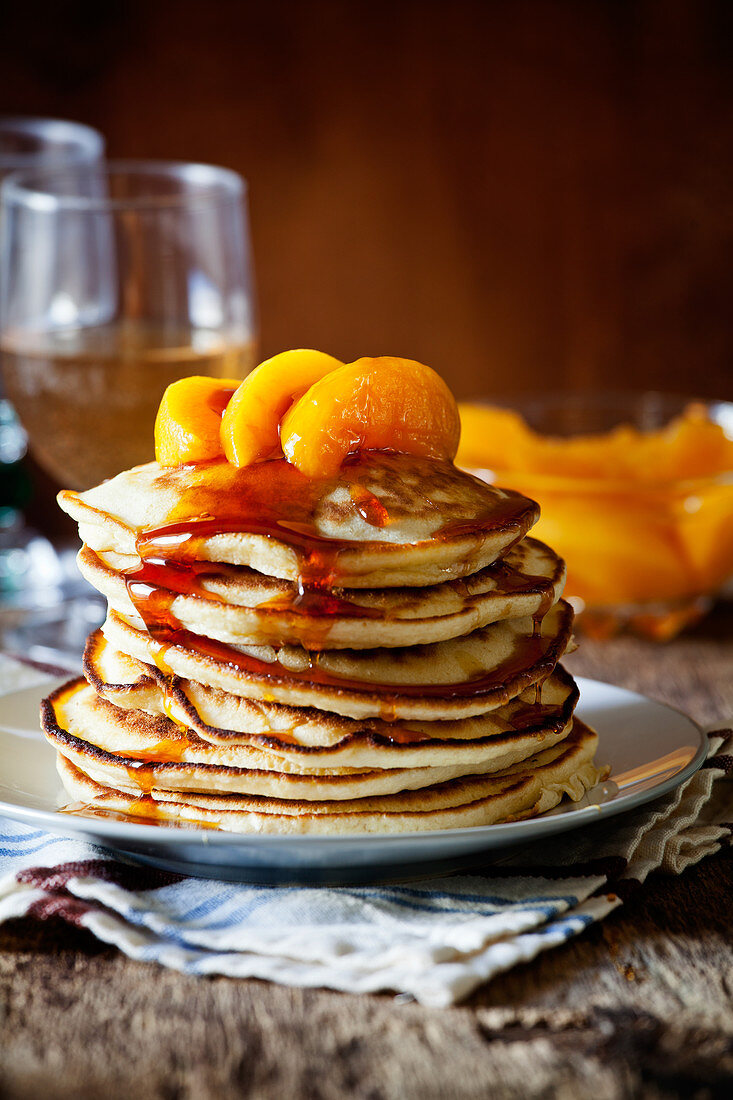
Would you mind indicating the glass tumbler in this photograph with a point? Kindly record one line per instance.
(116, 280)
(31, 573)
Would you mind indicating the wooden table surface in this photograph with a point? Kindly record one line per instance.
(639, 1005)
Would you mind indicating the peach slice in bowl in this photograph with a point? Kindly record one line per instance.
(636, 492)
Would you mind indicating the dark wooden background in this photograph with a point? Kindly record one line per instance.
(521, 194)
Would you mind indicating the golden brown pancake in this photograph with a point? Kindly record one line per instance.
(241, 607)
(302, 737)
(374, 652)
(454, 679)
(154, 754)
(396, 519)
(533, 786)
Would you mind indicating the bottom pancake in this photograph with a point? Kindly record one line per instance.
(532, 787)
(135, 752)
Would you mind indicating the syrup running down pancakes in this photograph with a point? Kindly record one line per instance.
(372, 650)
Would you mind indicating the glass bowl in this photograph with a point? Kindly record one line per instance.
(648, 538)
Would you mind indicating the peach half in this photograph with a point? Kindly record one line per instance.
(249, 427)
(373, 403)
(189, 419)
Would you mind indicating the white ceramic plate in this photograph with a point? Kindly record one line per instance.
(650, 747)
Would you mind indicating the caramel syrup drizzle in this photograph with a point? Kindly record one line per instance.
(165, 750)
(274, 500)
(514, 582)
(540, 653)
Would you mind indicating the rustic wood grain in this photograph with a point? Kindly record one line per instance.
(521, 193)
(640, 1005)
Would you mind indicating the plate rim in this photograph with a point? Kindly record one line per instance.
(527, 829)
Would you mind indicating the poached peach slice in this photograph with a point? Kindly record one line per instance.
(374, 403)
(249, 427)
(692, 445)
(189, 419)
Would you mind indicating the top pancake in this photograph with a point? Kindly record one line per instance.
(387, 520)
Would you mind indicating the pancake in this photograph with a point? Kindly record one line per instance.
(453, 679)
(151, 740)
(531, 787)
(236, 606)
(305, 737)
(175, 761)
(387, 520)
(375, 652)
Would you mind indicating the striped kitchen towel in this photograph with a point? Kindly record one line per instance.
(435, 940)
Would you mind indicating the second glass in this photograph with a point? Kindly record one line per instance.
(115, 282)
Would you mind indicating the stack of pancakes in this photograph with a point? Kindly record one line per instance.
(372, 653)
